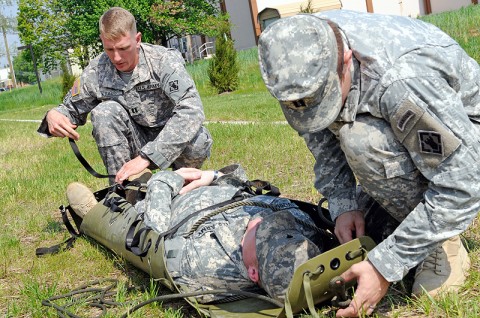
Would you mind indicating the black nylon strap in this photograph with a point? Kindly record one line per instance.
(84, 162)
(67, 244)
(132, 241)
(261, 187)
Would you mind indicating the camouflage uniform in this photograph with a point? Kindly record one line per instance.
(158, 111)
(409, 132)
(210, 257)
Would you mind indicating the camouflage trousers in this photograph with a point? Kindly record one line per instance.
(119, 139)
(383, 166)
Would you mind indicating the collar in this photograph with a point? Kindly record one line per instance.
(141, 73)
(111, 78)
(349, 110)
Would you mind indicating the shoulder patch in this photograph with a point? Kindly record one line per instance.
(76, 87)
(173, 86)
(430, 142)
(422, 133)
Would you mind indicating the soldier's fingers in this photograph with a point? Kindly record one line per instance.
(189, 187)
(70, 132)
(348, 275)
(360, 228)
(350, 311)
(344, 235)
(189, 175)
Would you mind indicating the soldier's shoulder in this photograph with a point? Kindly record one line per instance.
(97, 64)
(161, 53)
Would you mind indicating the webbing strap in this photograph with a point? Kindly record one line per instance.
(67, 244)
(84, 162)
(308, 294)
(259, 187)
(132, 240)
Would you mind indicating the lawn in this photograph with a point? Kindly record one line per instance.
(248, 128)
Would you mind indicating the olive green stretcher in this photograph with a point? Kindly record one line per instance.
(115, 224)
(309, 286)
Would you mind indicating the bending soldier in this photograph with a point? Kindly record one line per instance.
(393, 103)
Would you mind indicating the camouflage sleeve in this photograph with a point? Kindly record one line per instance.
(333, 177)
(428, 116)
(161, 189)
(188, 115)
(77, 103)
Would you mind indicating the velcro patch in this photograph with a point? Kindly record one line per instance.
(422, 133)
(76, 88)
(173, 86)
(430, 142)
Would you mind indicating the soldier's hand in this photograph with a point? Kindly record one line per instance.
(370, 290)
(194, 178)
(60, 126)
(349, 225)
(130, 168)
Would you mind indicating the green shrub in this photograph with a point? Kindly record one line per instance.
(67, 79)
(223, 67)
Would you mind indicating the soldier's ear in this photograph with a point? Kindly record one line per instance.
(138, 39)
(347, 62)
(253, 273)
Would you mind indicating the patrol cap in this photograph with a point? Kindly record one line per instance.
(281, 248)
(298, 61)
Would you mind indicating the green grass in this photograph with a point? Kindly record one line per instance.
(35, 171)
(462, 25)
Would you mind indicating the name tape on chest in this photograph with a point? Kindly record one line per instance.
(148, 87)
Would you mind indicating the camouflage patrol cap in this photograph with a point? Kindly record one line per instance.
(281, 248)
(298, 62)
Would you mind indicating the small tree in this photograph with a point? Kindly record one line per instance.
(23, 66)
(223, 67)
(308, 8)
(67, 78)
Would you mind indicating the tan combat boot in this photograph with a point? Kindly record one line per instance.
(443, 270)
(142, 177)
(80, 198)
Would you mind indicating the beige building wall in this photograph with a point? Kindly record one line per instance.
(448, 5)
(410, 8)
(355, 5)
(242, 25)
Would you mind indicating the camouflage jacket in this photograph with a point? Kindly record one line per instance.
(160, 94)
(396, 59)
(210, 257)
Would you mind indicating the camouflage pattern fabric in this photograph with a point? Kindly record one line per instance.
(120, 139)
(409, 132)
(211, 257)
(162, 112)
(312, 57)
(281, 246)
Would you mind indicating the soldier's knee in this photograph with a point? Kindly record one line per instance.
(108, 112)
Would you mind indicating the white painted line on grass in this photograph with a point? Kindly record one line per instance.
(23, 120)
(228, 122)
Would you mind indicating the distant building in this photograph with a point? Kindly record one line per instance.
(4, 80)
(248, 16)
(270, 14)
